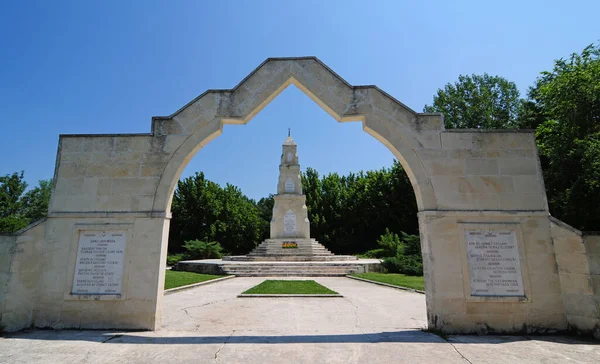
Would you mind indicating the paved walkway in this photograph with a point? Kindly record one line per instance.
(371, 324)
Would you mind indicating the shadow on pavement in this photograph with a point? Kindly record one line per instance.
(403, 336)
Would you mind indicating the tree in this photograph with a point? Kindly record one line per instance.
(349, 213)
(12, 187)
(478, 102)
(564, 107)
(265, 212)
(203, 210)
(35, 201)
(19, 208)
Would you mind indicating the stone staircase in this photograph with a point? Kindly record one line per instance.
(307, 269)
(307, 250)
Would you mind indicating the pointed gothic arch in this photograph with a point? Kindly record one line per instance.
(399, 128)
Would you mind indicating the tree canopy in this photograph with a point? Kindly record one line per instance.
(477, 101)
(19, 208)
(203, 210)
(564, 107)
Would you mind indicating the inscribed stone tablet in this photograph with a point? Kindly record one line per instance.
(289, 223)
(494, 266)
(99, 267)
(289, 186)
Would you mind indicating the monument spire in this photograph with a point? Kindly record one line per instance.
(289, 132)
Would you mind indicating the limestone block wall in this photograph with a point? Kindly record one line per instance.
(107, 173)
(139, 306)
(20, 260)
(486, 171)
(591, 241)
(577, 267)
(7, 243)
(450, 306)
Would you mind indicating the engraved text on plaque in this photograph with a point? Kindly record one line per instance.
(494, 266)
(99, 267)
(289, 223)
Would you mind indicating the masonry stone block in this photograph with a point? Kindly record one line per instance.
(482, 166)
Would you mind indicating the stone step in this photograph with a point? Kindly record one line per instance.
(291, 258)
(287, 252)
(242, 268)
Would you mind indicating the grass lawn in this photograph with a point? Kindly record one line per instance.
(394, 278)
(177, 279)
(289, 287)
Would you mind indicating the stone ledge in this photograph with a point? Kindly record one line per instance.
(386, 284)
(289, 295)
(182, 288)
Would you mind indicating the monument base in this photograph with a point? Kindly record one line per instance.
(331, 268)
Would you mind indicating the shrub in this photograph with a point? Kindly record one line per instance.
(410, 265)
(400, 255)
(373, 253)
(173, 259)
(390, 244)
(197, 249)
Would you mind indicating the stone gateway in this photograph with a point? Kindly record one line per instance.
(464, 180)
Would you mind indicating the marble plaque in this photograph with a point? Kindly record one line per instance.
(99, 267)
(289, 186)
(494, 265)
(289, 223)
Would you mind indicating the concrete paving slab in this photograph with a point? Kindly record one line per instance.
(370, 324)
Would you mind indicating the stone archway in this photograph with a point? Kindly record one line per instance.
(466, 182)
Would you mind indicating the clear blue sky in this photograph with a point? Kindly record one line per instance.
(109, 66)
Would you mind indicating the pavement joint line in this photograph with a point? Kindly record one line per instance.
(223, 345)
(182, 288)
(386, 284)
(458, 352)
(356, 324)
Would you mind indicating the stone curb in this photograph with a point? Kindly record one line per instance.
(289, 295)
(386, 284)
(182, 288)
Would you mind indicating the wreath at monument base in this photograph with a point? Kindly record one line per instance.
(289, 245)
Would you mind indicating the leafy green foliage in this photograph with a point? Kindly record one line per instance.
(19, 208)
(206, 211)
(173, 259)
(564, 107)
(196, 249)
(349, 213)
(35, 201)
(478, 101)
(407, 264)
(401, 255)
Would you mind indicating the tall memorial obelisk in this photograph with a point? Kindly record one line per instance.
(290, 217)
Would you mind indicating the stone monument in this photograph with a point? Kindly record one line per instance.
(290, 228)
(493, 257)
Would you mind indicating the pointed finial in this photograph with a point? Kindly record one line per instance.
(289, 131)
